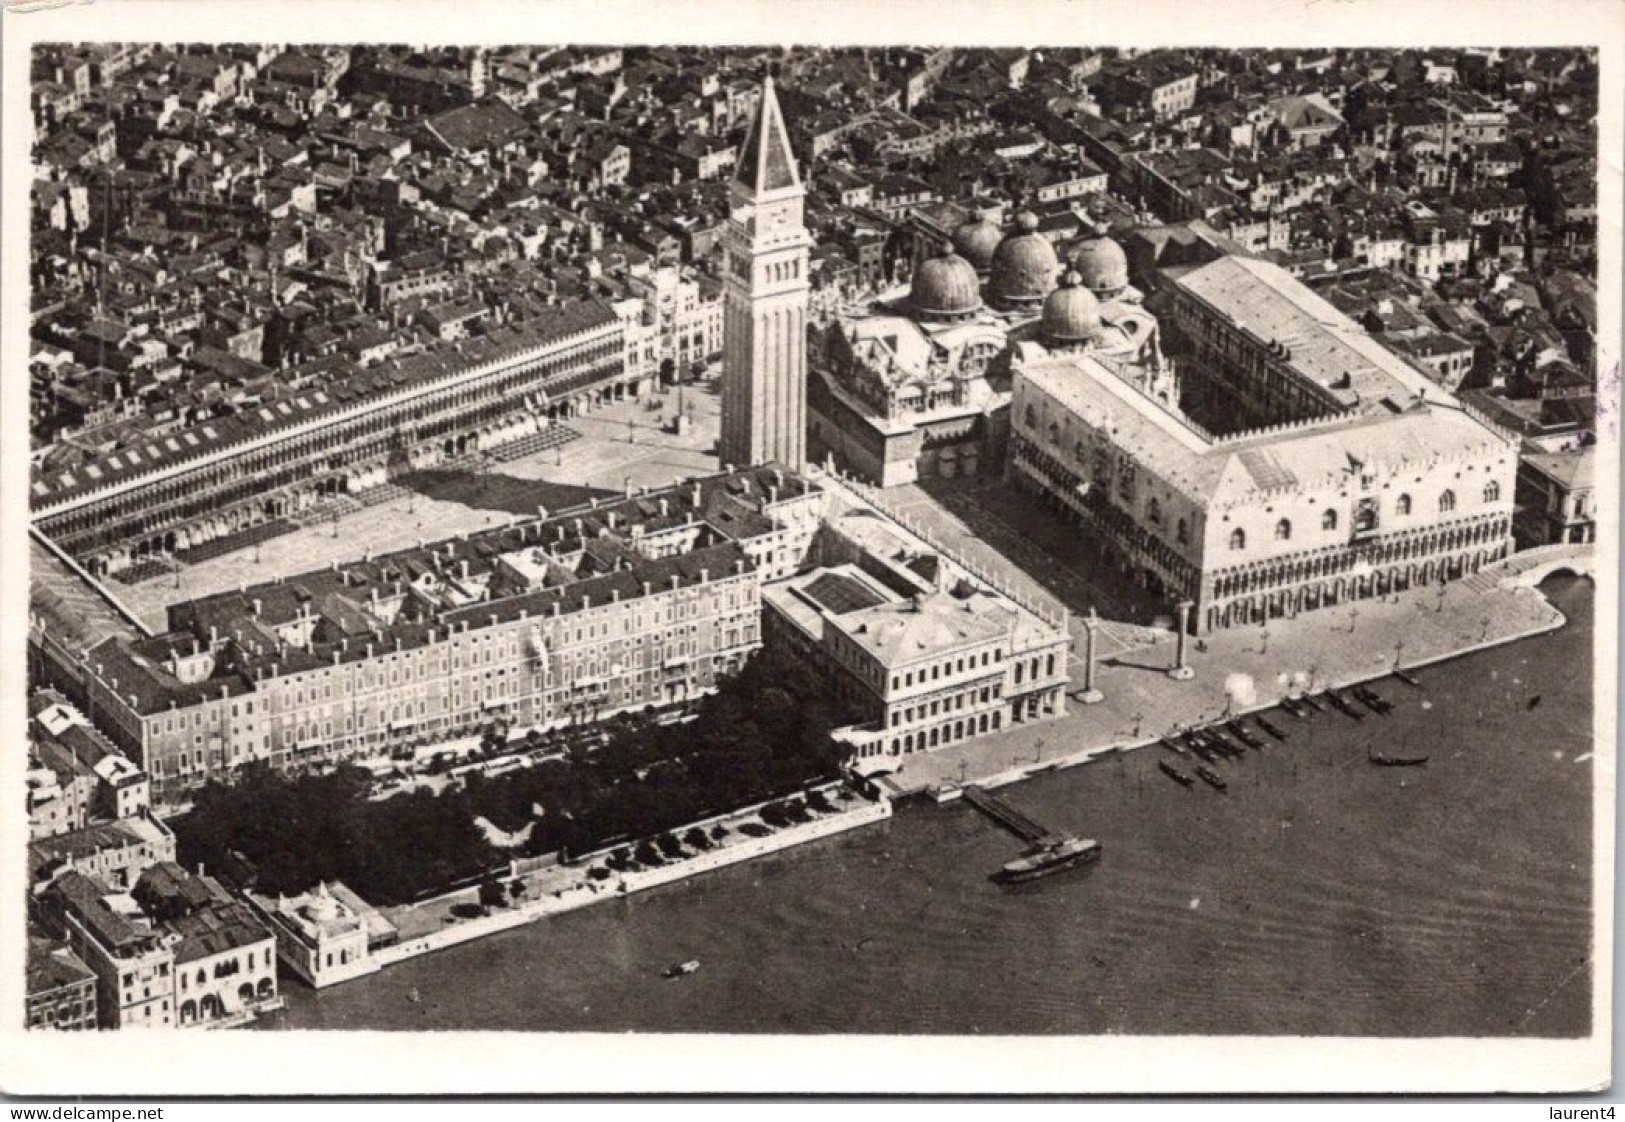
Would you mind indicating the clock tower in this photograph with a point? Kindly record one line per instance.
(764, 378)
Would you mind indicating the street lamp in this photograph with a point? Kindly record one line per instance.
(1264, 643)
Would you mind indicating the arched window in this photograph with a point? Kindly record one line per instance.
(1492, 491)
(1403, 506)
(1238, 538)
(1447, 502)
(1079, 452)
(1283, 530)
(1182, 532)
(1153, 511)
(1328, 521)
(1031, 416)
(1054, 433)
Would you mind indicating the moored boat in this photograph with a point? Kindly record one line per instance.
(1270, 727)
(1174, 773)
(1343, 705)
(1312, 702)
(1408, 678)
(682, 969)
(1372, 700)
(1063, 854)
(1242, 733)
(1295, 707)
(1172, 746)
(1211, 778)
(1382, 759)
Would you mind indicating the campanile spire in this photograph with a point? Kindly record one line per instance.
(764, 381)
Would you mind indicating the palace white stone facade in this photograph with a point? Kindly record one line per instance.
(930, 654)
(764, 389)
(1378, 481)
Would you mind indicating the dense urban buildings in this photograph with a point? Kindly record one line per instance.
(637, 370)
(571, 617)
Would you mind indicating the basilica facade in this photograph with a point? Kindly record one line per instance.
(917, 384)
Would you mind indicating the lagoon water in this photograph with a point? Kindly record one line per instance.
(1320, 895)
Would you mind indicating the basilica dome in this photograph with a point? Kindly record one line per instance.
(1024, 266)
(1102, 264)
(945, 286)
(1071, 314)
(977, 241)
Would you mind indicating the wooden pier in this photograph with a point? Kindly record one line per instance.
(1010, 818)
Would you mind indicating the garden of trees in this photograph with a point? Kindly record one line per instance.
(762, 735)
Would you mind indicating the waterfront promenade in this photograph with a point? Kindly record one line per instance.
(1241, 671)
(555, 889)
(1318, 896)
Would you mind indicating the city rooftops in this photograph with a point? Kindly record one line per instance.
(218, 646)
(1321, 344)
(1216, 471)
(342, 391)
(52, 966)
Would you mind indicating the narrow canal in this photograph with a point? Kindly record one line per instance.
(1320, 895)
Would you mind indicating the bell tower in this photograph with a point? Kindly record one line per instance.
(764, 381)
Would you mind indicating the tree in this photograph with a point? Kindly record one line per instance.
(491, 894)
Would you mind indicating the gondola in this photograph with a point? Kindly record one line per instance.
(1174, 773)
(1372, 700)
(1175, 748)
(1343, 705)
(1198, 747)
(1211, 778)
(1295, 707)
(1382, 759)
(1312, 702)
(1408, 678)
(1242, 733)
(1270, 727)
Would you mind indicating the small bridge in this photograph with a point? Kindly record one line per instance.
(1532, 566)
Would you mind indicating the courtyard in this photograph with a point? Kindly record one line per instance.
(626, 444)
